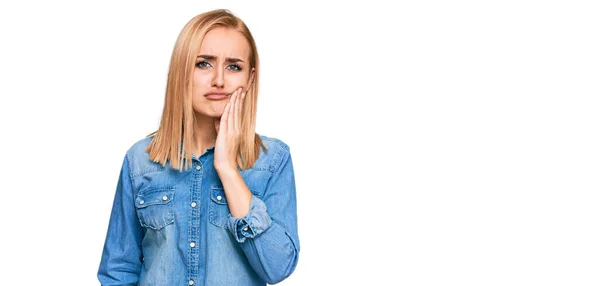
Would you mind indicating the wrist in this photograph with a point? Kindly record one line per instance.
(226, 170)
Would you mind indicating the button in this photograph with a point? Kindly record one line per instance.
(191, 282)
(197, 168)
(219, 198)
(192, 244)
(165, 198)
(246, 228)
(141, 202)
(193, 204)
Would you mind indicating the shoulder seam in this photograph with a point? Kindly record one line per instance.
(279, 155)
(140, 170)
(128, 167)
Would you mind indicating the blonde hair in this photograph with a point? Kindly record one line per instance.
(174, 138)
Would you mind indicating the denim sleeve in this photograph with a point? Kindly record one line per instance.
(268, 233)
(122, 256)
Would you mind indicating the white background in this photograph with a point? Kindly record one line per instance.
(434, 142)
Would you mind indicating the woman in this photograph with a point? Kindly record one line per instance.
(205, 200)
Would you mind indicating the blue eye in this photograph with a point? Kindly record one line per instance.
(203, 64)
(236, 67)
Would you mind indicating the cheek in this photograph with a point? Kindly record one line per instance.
(200, 85)
(238, 80)
(201, 81)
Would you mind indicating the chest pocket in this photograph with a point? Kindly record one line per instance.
(154, 207)
(219, 210)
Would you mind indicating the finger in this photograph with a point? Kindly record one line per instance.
(223, 123)
(230, 123)
(241, 114)
(236, 114)
(231, 108)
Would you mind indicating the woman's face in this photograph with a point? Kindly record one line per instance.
(221, 67)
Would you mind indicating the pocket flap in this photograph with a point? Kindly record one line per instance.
(156, 196)
(217, 195)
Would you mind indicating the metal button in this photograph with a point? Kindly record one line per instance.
(197, 168)
(141, 202)
(219, 198)
(165, 198)
(245, 228)
(191, 282)
(193, 204)
(192, 244)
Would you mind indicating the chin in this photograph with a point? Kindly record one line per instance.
(210, 110)
(213, 114)
(208, 113)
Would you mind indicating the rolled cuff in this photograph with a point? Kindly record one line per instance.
(255, 222)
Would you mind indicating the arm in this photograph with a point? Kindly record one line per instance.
(122, 255)
(268, 233)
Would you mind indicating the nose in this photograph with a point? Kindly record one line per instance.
(217, 78)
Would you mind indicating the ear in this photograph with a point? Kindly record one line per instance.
(250, 80)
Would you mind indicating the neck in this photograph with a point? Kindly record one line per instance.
(205, 134)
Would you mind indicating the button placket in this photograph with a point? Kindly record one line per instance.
(194, 211)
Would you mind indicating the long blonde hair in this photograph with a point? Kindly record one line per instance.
(174, 138)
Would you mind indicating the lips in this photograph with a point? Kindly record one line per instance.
(216, 95)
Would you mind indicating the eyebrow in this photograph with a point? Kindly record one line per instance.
(231, 60)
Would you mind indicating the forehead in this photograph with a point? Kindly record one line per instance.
(225, 42)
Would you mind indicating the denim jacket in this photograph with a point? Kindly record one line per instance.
(174, 228)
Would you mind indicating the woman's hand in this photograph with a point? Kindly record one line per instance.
(229, 133)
